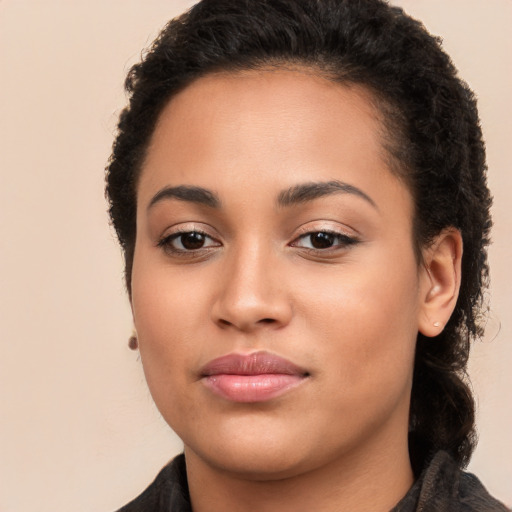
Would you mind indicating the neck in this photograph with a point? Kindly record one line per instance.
(355, 482)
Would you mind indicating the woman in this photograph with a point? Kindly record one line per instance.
(299, 190)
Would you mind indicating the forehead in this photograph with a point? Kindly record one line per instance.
(266, 128)
(290, 100)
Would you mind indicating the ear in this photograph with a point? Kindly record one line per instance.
(440, 281)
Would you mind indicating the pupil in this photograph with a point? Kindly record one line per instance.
(322, 240)
(192, 240)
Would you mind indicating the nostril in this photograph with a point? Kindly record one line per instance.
(267, 320)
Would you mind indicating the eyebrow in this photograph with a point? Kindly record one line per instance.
(294, 195)
(188, 193)
(309, 191)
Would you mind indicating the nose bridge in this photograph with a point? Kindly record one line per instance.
(251, 293)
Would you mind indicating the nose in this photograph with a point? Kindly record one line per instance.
(252, 293)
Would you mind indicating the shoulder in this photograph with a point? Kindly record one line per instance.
(473, 496)
(446, 487)
(168, 492)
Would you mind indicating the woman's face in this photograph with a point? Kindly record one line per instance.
(276, 294)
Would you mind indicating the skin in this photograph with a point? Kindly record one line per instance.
(348, 314)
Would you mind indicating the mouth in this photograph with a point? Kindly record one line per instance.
(256, 377)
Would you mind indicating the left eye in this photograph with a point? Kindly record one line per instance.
(319, 240)
(188, 241)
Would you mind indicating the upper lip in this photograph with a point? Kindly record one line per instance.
(257, 363)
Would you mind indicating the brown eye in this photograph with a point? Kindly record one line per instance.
(192, 240)
(187, 241)
(322, 240)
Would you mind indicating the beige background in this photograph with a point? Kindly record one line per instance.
(78, 430)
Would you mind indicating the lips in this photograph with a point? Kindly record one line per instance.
(256, 377)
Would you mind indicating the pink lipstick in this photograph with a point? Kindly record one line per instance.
(256, 377)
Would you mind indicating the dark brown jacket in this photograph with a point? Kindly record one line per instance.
(442, 487)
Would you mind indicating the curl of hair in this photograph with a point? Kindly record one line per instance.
(431, 133)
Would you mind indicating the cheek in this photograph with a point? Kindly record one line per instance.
(167, 311)
(366, 323)
(166, 301)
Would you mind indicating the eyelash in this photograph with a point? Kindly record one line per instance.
(166, 242)
(341, 241)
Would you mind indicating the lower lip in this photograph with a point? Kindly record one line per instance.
(251, 388)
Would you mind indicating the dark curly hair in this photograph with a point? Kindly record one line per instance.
(432, 137)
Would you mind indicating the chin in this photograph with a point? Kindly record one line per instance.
(256, 454)
(262, 464)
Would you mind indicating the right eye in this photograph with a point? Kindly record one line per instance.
(187, 241)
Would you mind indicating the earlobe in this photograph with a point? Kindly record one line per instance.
(440, 281)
